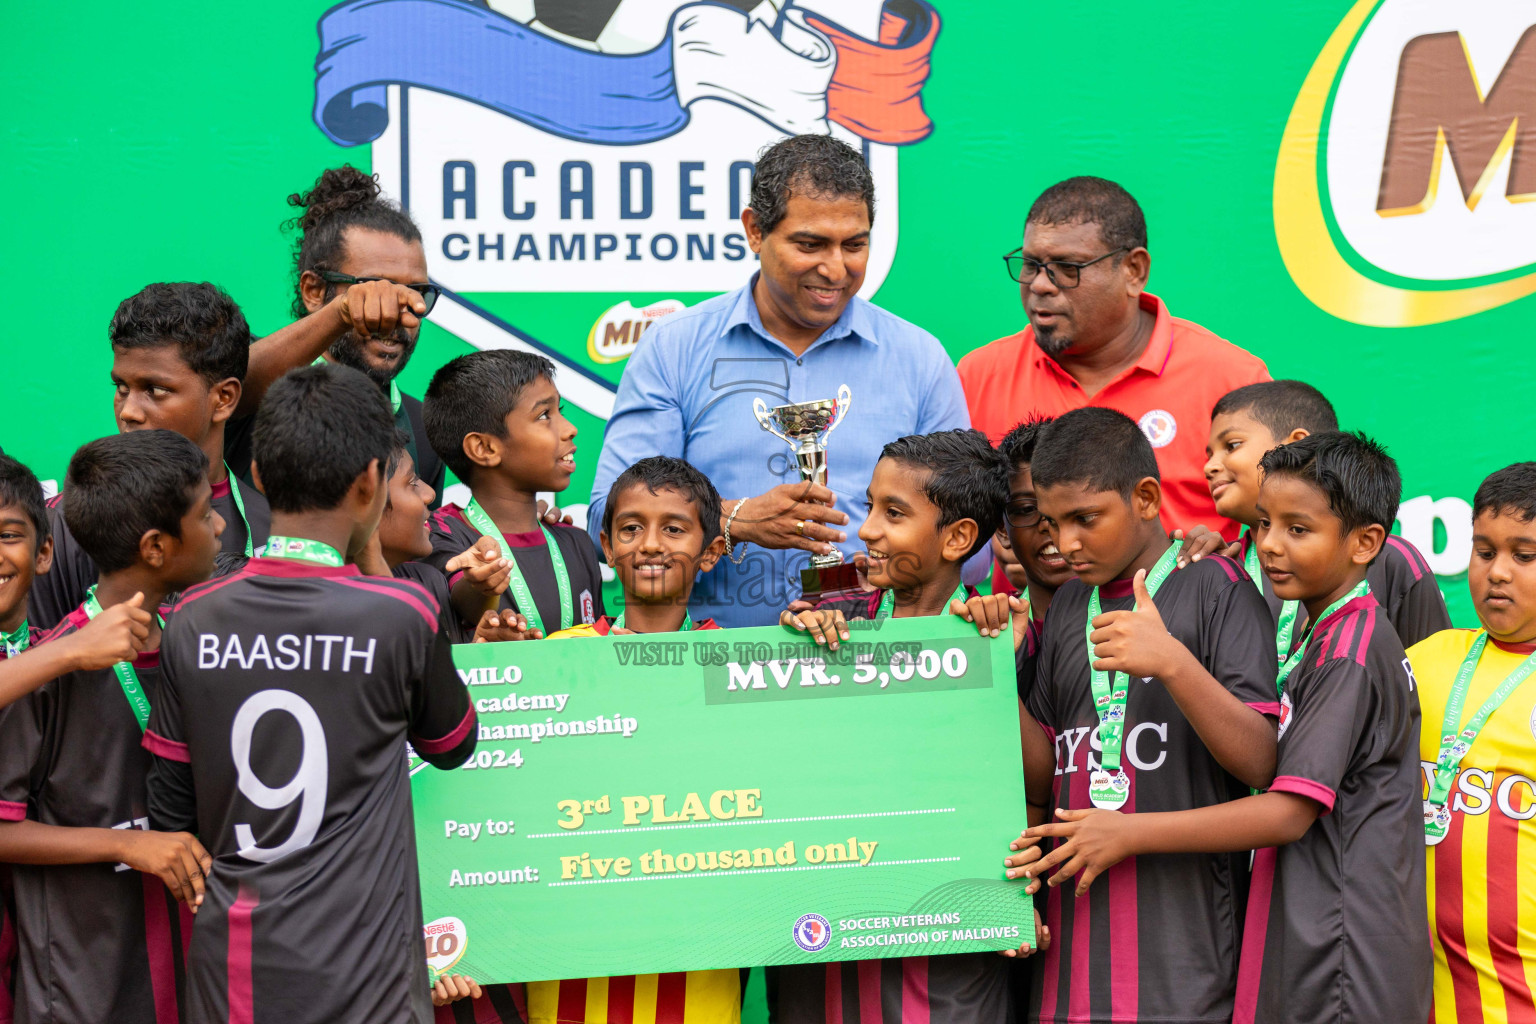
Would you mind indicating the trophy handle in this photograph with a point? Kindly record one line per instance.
(765, 420)
(844, 400)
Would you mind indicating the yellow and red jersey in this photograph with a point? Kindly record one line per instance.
(1482, 877)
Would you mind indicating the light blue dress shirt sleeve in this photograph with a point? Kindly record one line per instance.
(646, 421)
(943, 405)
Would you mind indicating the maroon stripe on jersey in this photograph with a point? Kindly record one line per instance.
(1344, 636)
(671, 997)
(204, 589)
(1410, 555)
(1124, 929)
(448, 742)
(1270, 708)
(7, 966)
(12, 811)
(1250, 965)
(242, 1007)
(1305, 787)
(869, 992)
(621, 1000)
(526, 540)
(170, 749)
(1504, 917)
(1365, 633)
(1080, 981)
(417, 596)
(914, 990)
(287, 568)
(161, 949)
(1449, 911)
(1234, 571)
(1050, 970)
(441, 517)
(572, 1002)
(834, 994)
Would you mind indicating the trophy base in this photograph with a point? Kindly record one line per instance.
(823, 583)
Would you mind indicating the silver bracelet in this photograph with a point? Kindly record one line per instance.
(730, 549)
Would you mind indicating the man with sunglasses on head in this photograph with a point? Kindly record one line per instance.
(1096, 338)
(361, 292)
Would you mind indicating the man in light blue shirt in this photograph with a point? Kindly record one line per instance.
(794, 333)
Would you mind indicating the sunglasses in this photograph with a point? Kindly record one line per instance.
(428, 291)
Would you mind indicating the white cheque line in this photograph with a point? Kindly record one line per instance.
(718, 872)
(738, 821)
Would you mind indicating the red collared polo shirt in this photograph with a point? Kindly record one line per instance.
(1169, 391)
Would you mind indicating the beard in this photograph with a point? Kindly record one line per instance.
(348, 351)
(1054, 343)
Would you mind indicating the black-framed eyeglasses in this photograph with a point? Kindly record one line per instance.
(1063, 273)
(428, 291)
(1022, 514)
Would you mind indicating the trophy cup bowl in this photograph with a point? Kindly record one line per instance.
(805, 426)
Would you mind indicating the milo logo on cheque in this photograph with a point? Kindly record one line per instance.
(446, 939)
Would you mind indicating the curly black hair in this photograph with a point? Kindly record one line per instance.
(808, 165)
(341, 198)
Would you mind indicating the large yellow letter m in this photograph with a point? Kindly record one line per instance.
(1439, 105)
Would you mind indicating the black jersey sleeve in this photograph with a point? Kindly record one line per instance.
(442, 728)
(172, 803)
(1238, 638)
(23, 728)
(1334, 709)
(1421, 613)
(1039, 698)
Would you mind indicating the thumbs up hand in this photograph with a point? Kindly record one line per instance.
(1136, 642)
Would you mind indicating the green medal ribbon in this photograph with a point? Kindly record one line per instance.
(234, 492)
(18, 640)
(517, 584)
(303, 549)
(394, 389)
(1286, 627)
(127, 678)
(1293, 659)
(888, 601)
(1457, 736)
(1110, 787)
(687, 625)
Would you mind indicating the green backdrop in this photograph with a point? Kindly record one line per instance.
(158, 141)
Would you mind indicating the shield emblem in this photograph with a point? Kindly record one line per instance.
(598, 153)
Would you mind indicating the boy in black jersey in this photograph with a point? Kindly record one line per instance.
(1170, 714)
(1250, 421)
(404, 537)
(934, 500)
(1335, 928)
(494, 418)
(299, 668)
(178, 358)
(26, 552)
(99, 941)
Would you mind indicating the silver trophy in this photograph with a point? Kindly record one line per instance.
(805, 426)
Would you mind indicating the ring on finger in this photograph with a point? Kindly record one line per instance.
(800, 527)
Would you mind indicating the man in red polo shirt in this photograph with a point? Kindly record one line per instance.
(1096, 338)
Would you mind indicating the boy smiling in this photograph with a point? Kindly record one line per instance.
(1335, 928)
(934, 500)
(495, 419)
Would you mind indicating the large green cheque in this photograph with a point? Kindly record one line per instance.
(726, 798)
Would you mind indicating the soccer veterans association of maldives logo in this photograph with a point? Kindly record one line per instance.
(812, 933)
(608, 145)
